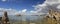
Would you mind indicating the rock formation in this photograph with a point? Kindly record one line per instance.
(5, 19)
(54, 14)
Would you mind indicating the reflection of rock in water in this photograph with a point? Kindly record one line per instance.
(0, 20)
(18, 14)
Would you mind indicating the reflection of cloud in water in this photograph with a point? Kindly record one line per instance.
(25, 18)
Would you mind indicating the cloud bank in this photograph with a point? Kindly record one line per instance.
(12, 11)
(48, 4)
(3, 0)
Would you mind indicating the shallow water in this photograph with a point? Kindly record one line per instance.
(25, 18)
(28, 18)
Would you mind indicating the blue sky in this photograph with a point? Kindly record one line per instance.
(25, 6)
(20, 4)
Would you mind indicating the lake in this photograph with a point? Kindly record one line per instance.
(28, 18)
(25, 18)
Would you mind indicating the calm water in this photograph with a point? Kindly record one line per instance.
(25, 18)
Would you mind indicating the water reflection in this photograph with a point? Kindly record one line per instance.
(15, 19)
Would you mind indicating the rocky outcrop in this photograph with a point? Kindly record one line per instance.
(5, 19)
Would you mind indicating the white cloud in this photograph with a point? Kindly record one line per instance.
(33, 11)
(4, 0)
(43, 8)
(24, 10)
(52, 1)
(58, 6)
(10, 11)
(13, 11)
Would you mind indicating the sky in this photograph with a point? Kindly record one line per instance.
(28, 7)
(47, 5)
(20, 4)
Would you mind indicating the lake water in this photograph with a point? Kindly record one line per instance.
(25, 18)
